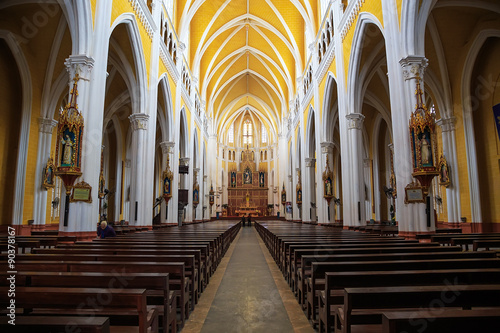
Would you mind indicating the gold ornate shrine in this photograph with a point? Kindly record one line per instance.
(248, 188)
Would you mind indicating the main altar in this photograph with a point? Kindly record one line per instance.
(248, 188)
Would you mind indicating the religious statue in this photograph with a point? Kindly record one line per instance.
(261, 179)
(247, 176)
(67, 155)
(48, 175)
(233, 179)
(328, 187)
(444, 172)
(425, 151)
(166, 188)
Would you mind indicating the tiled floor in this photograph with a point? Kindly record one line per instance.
(247, 294)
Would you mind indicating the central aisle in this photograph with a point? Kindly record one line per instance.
(247, 299)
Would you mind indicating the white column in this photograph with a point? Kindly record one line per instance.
(44, 148)
(411, 217)
(198, 209)
(367, 189)
(450, 153)
(290, 197)
(282, 158)
(83, 217)
(126, 188)
(309, 191)
(321, 203)
(212, 170)
(298, 213)
(138, 206)
(167, 148)
(355, 163)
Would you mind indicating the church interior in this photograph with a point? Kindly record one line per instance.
(351, 135)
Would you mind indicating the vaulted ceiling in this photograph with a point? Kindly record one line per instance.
(247, 54)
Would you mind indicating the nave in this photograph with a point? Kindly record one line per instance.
(275, 276)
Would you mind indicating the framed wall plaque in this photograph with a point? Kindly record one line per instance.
(81, 192)
(414, 194)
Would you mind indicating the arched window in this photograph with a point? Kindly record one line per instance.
(264, 134)
(231, 133)
(247, 132)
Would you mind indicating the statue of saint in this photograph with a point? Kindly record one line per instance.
(67, 155)
(425, 152)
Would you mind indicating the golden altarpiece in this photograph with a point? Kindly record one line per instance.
(248, 188)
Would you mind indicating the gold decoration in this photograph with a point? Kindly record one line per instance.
(283, 195)
(81, 192)
(69, 141)
(167, 177)
(49, 174)
(423, 142)
(196, 190)
(299, 190)
(328, 182)
(444, 172)
(414, 193)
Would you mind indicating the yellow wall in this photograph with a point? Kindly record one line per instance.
(122, 6)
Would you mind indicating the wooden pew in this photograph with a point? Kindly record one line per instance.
(105, 248)
(200, 263)
(191, 270)
(304, 272)
(330, 299)
(464, 242)
(442, 320)
(50, 324)
(128, 303)
(156, 285)
(298, 253)
(178, 282)
(316, 281)
(382, 298)
(485, 244)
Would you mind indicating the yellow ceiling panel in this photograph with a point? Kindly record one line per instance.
(259, 88)
(284, 52)
(258, 67)
(234, 9)
(210, 52)
(267, 69)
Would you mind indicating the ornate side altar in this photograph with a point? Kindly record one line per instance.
(248, 189)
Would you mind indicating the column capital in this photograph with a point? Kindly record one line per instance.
(184, 161)
(139, 121)
(310, 162)
(355, 121)
(167, 147)
(413, 66)
(46, 125)
(81, 64)
(391, 147)
(446, 124)
(327, 147)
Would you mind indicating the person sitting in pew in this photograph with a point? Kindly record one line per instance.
(105, 231)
